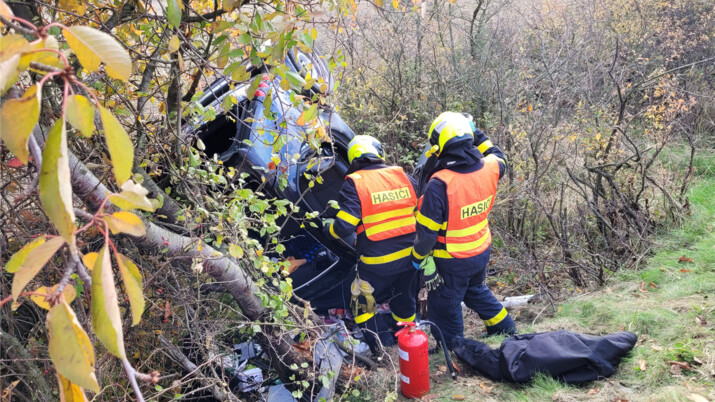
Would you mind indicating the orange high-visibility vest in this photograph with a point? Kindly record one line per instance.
(470, 197)
(387, 201)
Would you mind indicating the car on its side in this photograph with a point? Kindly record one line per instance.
(244, 138)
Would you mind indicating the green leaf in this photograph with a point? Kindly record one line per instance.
(307, 39)
(106, 319)
(245, 39)
(240, 74)
(311, 113)
(267, 103)
(120, 146)
(235, 251)
(132, 279)
(31, 262)
(92, 47)
(8, 73)
(125, 222)
(80, 114)
(251, 91)
(295, 80)
(70, 348)
(173, 13)
(55, 183)
(222, 58)
(133, 196)
(18, 119)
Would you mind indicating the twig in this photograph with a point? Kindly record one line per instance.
(131, 374)
(18, 28)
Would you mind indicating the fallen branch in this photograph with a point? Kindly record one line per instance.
(180, 358)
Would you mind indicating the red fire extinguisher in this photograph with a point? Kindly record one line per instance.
(414, 360)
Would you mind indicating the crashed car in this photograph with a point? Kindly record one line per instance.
(244, 138)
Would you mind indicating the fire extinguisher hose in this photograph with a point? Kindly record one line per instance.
(435, 328)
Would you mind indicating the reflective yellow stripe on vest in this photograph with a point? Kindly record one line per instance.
(383, 227)
(468, 231)
(383, 259)
(439, 253)
(468, 246)
(388, 215)
(456, 247)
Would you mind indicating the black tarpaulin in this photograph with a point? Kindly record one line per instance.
(570, 357)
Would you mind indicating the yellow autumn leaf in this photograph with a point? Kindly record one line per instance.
(106, 318)
(11, 45)
(80, 114)
(18, 259)
(125, 222)
(47, 58)
(8, 73)
(70, 348)
(133, 196)
(230, 5)
(17, 120)
(174, 44)
(121, 149)
(69, 391)
(93, 47)
(68, 292)
(33, 262)
(55, 184)
(90, 259)
(132, 279)
(78, 7)
(396, 4)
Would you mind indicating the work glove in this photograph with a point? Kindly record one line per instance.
(432, 278)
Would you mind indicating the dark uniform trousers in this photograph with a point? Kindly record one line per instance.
(464, 279)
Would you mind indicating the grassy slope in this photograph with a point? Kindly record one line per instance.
(674, 320)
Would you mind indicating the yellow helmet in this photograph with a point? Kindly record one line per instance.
(447, 128)
(363, 145)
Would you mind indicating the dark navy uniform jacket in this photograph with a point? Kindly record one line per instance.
(348, 218)
(433, 211)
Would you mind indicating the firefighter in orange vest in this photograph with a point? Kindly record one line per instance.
(377, 202)
(452, 224)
